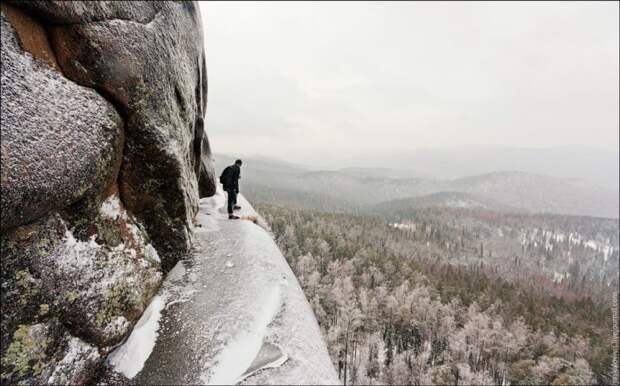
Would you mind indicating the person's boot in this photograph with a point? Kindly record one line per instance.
(233, 217)
(236, 207)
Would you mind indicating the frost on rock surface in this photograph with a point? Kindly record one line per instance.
(50, 160)
(148, 59)
(246, 322)
(95, 280)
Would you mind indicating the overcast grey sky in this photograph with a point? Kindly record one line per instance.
(319, 82)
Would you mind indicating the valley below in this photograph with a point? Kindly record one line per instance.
(477, 280)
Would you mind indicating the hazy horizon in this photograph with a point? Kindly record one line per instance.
(377, 160)
(320, 83)
(595, 166)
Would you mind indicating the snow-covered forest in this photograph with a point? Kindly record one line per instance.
(482, 300)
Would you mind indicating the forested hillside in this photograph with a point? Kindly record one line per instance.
(467, 297)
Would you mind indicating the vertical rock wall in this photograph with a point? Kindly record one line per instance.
(103, 158)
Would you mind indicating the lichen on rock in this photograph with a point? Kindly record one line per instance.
(89, 284)
(26, 353)
(47, 353)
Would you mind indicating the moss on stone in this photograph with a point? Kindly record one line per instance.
(27, 285)
(112, 305)
(25, 355)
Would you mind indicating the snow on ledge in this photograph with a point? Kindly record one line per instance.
(239, 354)
(129, 358)
(250, 322)
(270, 356)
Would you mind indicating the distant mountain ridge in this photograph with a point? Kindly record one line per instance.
(363, 189)
(599, 166)
(442, 200)
(384, 173)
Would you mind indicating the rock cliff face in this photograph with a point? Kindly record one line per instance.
(104, 156)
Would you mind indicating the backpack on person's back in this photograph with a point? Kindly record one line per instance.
(226, 176)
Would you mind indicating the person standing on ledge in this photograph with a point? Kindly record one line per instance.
(230, 181)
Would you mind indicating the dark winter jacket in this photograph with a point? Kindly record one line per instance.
(230, 177)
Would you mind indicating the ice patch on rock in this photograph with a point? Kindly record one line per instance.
(270, 356)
